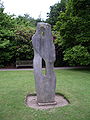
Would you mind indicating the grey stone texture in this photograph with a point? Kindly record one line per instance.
(44, 49)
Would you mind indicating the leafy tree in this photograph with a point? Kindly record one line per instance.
(55, 11)
(24, 47)
(25, 28)
(74, 37)
(6, 36)
(15, 37)
(25, 20)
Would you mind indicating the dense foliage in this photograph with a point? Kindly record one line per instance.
(73, 32)
(15, 37)
(70, 20)
(55, 10)
(24, 49)
(25, 28)
(6, 34)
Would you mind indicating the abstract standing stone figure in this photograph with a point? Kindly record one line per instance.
(44, 49)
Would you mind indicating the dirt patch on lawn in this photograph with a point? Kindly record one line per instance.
(31, 101)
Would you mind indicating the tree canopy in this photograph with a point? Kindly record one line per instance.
(70, 20)
(73, 27)
(55, 11)
(15, 37)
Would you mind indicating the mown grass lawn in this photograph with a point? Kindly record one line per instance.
(15, 85)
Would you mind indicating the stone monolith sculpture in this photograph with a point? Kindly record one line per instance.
(44, 49)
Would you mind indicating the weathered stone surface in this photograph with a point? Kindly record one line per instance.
(44, 49)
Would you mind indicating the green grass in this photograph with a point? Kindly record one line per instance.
(15, 85)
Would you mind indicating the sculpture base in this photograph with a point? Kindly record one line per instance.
(31, 101)
(46, 104)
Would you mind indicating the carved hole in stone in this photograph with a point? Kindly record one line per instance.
(42, 29)
(42, 33)
(43, 66)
